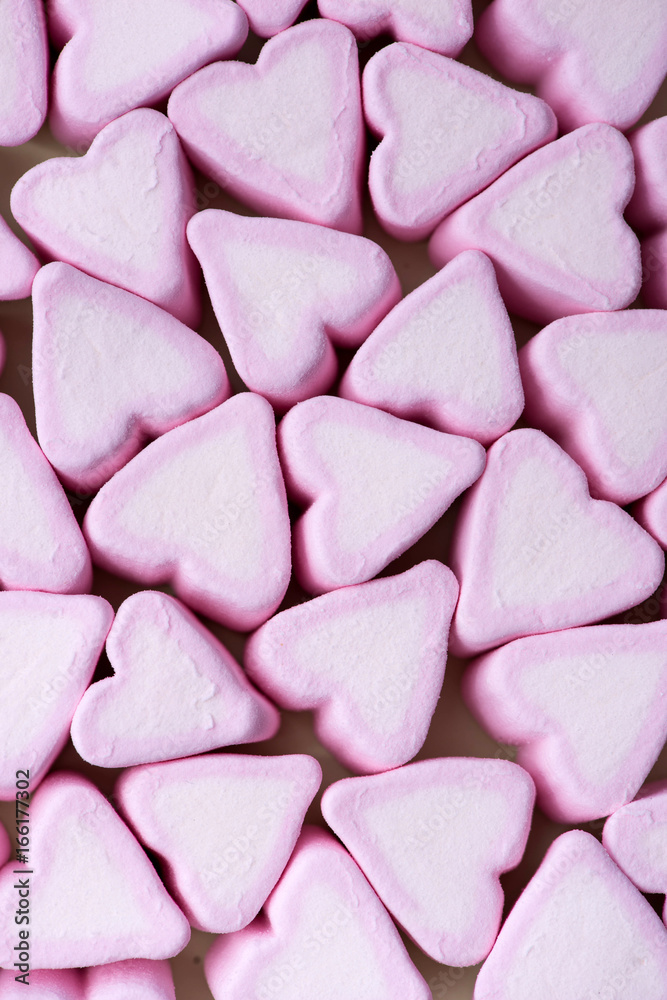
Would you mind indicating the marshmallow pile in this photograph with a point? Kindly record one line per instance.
(333, 501)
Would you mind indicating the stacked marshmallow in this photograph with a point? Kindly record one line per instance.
(191, 488)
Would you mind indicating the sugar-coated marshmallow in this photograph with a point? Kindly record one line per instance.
(596, 384)
(119, 212)
(96, 897)
(441, 25)
(553, 226)
(204, 508)
(534, 553)
(324, 933)
(18, 266)
(592, 61)
(372, 484)
(269, 17)
(446, 132)
(41, 545)
(224, 826)
(45, 984)
(368, 659)
(587, 708)
(176, 691)
(111, 370)
(432, 839)
(284, 292)
(121, 55)
(285, 136)
(24, 67)
(445, 355)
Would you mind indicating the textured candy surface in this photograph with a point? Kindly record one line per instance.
(441, 25)
(268, 17)
(18, 266)
(134, 979)
(23, 70)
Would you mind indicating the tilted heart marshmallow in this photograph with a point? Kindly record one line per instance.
(324, 933)
(224, 826)
(368, 659)
(446, 132)
(445, 355)
(124, 55)
(285, 292)
(285, 136)
(586, 707)
(176, 691)
(97, 897)
(18, 266)
(534, 553)
(441, 25)
(269, 17)
(553, 226)
(204, 508)
(111, 370)
(41, 545)
(119, 212)
(432, 839)
(24, 62)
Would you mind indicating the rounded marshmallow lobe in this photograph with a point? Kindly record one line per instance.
(446, 132)
(324, 933)
(45, 984)
(119, 55)
(636, 838)
(372, 484)
(285, 136)
(647, 210)
(134, 979)
(41, 545)
(224, 825)
(203, 508)
(97, 897)
(579, 929)
(368, 659)
(111, 370)
(285, 292)
(534, 553)
(119, 212)
(445, 355)
(585, 706)
(651, 512)
(18, 266)
(176, 691)
(595, 383)
(553, 226)
(23, 70)
(49, 648)
(432, 838)
(440, 25)
(590, 60)
(269, 17)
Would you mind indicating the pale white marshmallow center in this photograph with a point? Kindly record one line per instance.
(9, 67)
(27, 522)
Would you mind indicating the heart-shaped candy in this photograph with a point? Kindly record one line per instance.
(49, 647)
(596, 384)
(224, 826)
(636, 837)
(592, 61)
(587, 708)
(203, 507)
(533, 553)
(441, 25)
(109, 371)
(94, 895)
(287, 135)
(284, 292)
(446, 132)
(24, 65)
(445, 355)
(421, 834)
(176, 691)
(324, 934)
(269, 17)
(369, 660)
(579, 929)
(123, 55)
(553, 226)
(119, 212)
(41, 545)
(373, 484)
(18, 266)
(134, 979)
